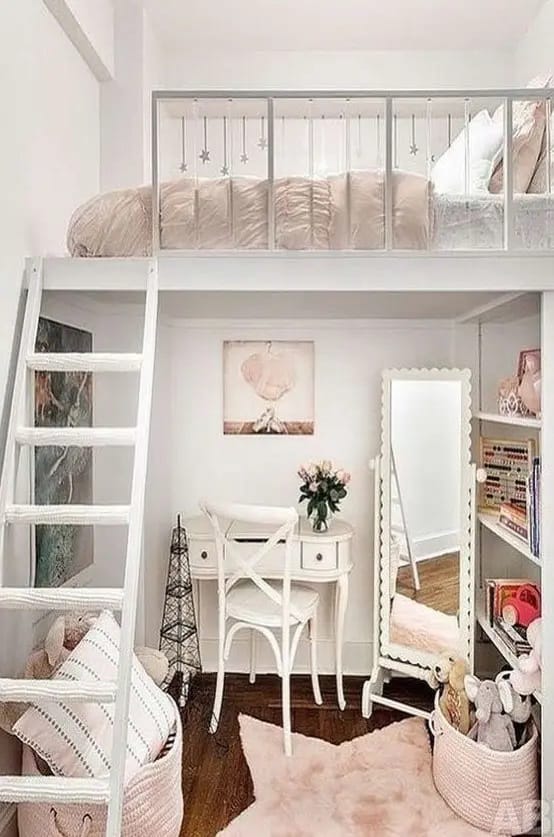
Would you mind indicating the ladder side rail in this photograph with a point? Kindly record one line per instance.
(19, 401)
(133, 558)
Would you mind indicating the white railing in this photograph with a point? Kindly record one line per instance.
(386, 104)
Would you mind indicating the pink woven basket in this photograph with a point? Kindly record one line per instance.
(152, 807)
(495, 791)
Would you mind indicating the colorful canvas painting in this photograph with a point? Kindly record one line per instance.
(62, 474)
(268, 387)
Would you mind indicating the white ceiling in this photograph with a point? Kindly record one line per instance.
(343, 25)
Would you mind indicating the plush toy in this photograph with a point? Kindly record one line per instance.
(517, 706)
(450, 672)
(493, 728)
(526, 679)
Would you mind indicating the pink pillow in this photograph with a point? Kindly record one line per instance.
(529, 121)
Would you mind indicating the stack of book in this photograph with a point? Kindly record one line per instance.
(533, 508)
(513, 516)
(497, 591)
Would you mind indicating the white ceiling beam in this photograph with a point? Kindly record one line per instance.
(74, 30)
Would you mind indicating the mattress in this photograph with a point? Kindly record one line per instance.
(338, 212)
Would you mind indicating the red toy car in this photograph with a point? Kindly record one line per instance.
(523, 607)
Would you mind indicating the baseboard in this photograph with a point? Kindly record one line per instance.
(434, 545)
(8, 824)
(357, 657)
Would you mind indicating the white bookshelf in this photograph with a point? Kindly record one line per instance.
(490, 521)
(514, 421)
(496, 639)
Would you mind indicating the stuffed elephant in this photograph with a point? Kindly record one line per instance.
(493, 728)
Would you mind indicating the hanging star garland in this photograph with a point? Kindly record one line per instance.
(262, 142)
(205, 154)
(244, 156)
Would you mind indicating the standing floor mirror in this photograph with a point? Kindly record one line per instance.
(424, 524)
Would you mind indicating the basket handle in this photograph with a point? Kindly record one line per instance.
(86, 825)
(433, 725)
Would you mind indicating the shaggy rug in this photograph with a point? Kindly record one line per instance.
(380, 784)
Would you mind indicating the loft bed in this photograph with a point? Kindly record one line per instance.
(369, 173)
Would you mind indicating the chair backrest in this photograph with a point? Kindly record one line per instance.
(282, 520)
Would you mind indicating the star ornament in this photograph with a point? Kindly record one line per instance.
(224, 170)
(380, 783)
(413, 149)
(205, 155)
(262, 143)
(244, 157)
(183, 168)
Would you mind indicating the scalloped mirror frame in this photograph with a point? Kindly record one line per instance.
(411, 660)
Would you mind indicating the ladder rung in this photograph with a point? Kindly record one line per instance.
(85, 361)
(68, 515)
(54, 789)
(81, 691)
(83, 437)
(61, 598)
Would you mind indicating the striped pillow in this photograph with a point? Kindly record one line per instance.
(75, 739)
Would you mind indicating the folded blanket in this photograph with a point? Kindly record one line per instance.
(343, 211)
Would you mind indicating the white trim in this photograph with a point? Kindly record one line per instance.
(436, 544)
(80, 40)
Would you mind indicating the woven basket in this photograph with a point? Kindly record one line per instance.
(495, 791)
(152, 806)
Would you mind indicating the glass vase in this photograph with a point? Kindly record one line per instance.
(320, 517)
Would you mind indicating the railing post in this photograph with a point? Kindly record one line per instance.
(389, 243)
(270, 174)
(155, 176)
(508, 175)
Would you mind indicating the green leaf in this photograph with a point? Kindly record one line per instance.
(302, 498)
(311, 506)
(334, 494)
(322, 510)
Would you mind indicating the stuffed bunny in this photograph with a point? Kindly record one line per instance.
(493, 728)
(450, 672)
(517, 706)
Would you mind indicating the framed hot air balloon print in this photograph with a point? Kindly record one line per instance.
(268, 387)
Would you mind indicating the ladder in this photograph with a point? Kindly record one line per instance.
(400, 527)
(105, 791)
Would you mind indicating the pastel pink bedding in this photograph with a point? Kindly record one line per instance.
(343, 211)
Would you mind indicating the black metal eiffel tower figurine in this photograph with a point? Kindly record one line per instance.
(179, 632)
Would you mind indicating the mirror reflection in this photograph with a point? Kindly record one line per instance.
(425, 513)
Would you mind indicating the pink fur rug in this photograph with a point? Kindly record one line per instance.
(379, 784)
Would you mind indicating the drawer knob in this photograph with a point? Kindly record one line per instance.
(204, 554)
(319, 557)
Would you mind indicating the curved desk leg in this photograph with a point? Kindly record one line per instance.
(341, 600)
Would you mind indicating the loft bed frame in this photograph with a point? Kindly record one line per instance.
(511, 273)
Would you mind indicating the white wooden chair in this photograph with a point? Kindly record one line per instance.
(253, 603)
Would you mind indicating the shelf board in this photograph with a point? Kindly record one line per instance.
(515, 421)
(497, 640)
(490, 522)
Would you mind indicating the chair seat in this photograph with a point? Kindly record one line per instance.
(247, 603)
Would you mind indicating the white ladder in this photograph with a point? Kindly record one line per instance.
(108, 791)
(400, 528)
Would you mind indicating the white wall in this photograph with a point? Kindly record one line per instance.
(426, 440)
(205, 463)
(313, 70)
(535, 52)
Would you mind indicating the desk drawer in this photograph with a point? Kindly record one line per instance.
(203, 555)
(273, 563)
(319, 556)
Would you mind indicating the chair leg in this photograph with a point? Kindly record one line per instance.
(252, 675)
(218, 700)
(285, 685)
(312, 627)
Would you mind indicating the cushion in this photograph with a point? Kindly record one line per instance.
(485, 140)
(539, 181)
(76, 739)
(529, 120)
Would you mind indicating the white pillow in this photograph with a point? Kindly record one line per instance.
(75, 739)
(485, 140)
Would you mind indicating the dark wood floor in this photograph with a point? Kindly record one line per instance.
(216, 780)
(440, 582)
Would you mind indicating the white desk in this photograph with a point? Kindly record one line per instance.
(317, 558)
